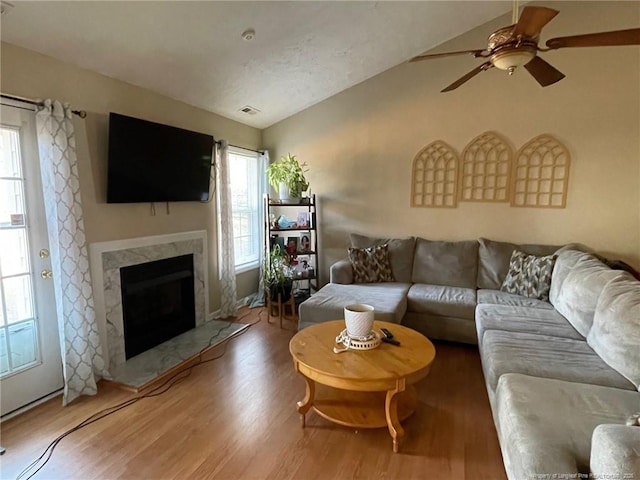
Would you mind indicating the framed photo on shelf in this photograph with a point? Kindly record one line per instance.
(303, 219)
(292, 245)
(304, 245)
(303, 266)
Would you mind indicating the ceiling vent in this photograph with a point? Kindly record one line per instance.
(5, 7)
(248, 109)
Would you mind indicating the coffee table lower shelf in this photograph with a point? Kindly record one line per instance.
(361, 409)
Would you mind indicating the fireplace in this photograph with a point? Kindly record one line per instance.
(158, 302)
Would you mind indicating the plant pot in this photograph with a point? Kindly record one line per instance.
(283, 289)
(284, 194)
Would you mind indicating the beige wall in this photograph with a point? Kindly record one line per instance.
(28, 74)
(360, 144)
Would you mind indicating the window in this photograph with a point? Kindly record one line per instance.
(245, 205)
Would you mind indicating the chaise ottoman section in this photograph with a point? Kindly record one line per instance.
(388, 299)
(546, 425)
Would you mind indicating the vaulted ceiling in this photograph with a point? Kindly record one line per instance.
(301, 53)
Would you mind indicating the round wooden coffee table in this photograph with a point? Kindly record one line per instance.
(365, 388)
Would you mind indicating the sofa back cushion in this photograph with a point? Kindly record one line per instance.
(567, 259)
(453, 264)
(400, 253)
(615, 335)
(580, 291)
(494, 258)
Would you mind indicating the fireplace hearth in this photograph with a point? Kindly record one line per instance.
(158, 302)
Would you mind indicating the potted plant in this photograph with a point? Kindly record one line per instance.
(277, 274)
(287, 178)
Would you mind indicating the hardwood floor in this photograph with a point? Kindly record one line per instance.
(236, 418)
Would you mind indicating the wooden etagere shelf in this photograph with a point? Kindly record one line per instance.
(297, 213)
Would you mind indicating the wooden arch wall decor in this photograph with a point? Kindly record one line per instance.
(485, 169)
(541, 174)
(434, 178)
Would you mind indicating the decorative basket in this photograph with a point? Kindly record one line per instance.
(368, 342)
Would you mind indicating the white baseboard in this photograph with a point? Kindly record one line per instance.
(31, 405)
(240, 303)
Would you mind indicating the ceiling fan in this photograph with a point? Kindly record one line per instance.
(517, 45)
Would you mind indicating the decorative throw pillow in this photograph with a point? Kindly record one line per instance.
(371, 265)
(529, 275)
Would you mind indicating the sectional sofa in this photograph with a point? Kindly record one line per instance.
(562, 374)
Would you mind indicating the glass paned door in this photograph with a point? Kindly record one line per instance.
(30, 365)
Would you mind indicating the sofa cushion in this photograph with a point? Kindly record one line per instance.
(615, 335)
(615, 451)
(400, 253)
(546, 425)
(441, 300)
(540, 321)
(388, 299)
(566, 260)
(452, 329)
(494, 257)
(496, 297)
(545, 356)
(529, 275)
(453, 264)
(580, 291)
(371, 264)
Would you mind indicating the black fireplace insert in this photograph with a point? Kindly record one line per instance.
(158, 302)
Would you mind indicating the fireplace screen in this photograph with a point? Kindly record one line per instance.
(158, 302)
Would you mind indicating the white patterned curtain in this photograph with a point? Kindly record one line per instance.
(226, 263)
(263, 163)
(79, 339)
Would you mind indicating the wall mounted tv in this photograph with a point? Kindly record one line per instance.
(151, 162)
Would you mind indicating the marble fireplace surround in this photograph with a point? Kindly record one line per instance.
(107, 258)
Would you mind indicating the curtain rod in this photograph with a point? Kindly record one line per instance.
(80, 113)
(218, 142)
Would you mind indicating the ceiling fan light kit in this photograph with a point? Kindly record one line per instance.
(517, 45)
(510, 59)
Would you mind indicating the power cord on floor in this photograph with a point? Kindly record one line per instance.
(176, 378)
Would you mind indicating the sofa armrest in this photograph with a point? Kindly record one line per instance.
(341, 272)
(615, 451)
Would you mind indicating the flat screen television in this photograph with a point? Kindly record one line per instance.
(151, 162)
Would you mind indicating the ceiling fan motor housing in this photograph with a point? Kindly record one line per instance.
(509, 52)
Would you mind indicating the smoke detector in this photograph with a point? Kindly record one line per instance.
(5, 7)
(248, 109)
(248, 35)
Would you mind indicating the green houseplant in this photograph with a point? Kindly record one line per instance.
(277, 274)
(287, 178)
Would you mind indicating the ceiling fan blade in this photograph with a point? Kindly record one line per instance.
(467, 77)
(602, 39)
(543, 72)
(532, 20)
(475, 53)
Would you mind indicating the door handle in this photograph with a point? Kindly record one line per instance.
(46, 274)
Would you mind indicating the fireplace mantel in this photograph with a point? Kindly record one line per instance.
(108, 257)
